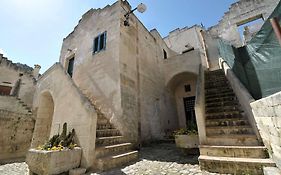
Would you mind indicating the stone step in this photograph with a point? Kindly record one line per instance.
(222, 109)
(234, 151)
(102, 121)
(107, 132)
(227, 122)
(233, 140)
(229, 116)
(218, 99)
(104, 126)
(107, 150)
(246, 129)
(218, 92)
(219, 113)
(219, 95)
(105, 141)
(222, 103)
(218, 89)
(233, 165)
(113, 161)
(221, 83)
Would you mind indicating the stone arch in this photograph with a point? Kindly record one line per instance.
(44, 119)
(177, 86)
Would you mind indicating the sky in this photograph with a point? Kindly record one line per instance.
(32, 31)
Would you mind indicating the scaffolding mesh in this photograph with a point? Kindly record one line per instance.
(258, 64)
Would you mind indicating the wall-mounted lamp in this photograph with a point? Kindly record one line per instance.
(141, 8)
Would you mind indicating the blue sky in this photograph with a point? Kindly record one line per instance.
(31, 31)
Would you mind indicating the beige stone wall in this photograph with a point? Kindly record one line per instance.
(239, 13)
(55, 88)
(16, 132)
(149, 111)
(267, 115)
(188, 62)
(97, 75)
(12, 104)
(183, 39)
(9, 72)
(180, 93)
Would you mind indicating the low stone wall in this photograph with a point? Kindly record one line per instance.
(267, 115)
(16, 132)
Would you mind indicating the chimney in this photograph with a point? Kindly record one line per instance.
(36, 70)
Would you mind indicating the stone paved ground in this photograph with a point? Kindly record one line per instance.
(14, 169)
(160, 159)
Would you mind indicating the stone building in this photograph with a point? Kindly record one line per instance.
(121, 86)
(17, 87)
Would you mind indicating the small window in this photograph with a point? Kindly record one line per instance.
(70, 67)
(165, 54)
(187, 88)
(99, 43)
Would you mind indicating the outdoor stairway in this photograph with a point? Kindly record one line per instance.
(231, 145)
(112, 150)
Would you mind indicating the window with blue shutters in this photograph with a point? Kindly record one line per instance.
(99, 43)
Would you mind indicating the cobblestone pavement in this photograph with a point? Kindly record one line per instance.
(160, 159)
(14, 169)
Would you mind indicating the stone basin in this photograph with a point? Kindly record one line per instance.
(53, 162)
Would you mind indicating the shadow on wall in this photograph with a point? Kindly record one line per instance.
(246, 72)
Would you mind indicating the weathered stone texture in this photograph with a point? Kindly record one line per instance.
(53, 162)
(16, 132)
(58, 100)
(9, 75)
(240, 13)
(267, 114)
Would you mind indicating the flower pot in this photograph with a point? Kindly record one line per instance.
(53, 162)
(187, 141)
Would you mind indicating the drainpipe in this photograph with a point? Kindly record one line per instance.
(276, 27)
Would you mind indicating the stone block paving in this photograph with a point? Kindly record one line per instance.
(14, 169)
(157, 159)
(161, 159)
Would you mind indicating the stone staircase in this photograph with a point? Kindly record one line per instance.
(231, 145)
(14, 104)
(112, 150)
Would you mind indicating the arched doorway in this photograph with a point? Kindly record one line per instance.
(183, 87)
(43, 120)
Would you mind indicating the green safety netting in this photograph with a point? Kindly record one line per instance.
(258, 64)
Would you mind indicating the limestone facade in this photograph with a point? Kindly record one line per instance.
(138, 80)
(17, 86)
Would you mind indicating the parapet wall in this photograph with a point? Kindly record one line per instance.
(267, 115)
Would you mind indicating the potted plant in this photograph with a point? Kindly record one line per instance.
(60, 154)
(187, 137)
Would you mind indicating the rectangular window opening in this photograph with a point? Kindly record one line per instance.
(165, 54)
(187, 88)
(70, 67)
(99, 42)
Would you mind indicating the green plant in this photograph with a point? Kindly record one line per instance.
(60, 141)
(190, 130)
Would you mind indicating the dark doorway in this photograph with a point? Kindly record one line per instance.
(189, 103)
(5, 90)
(70, 67)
